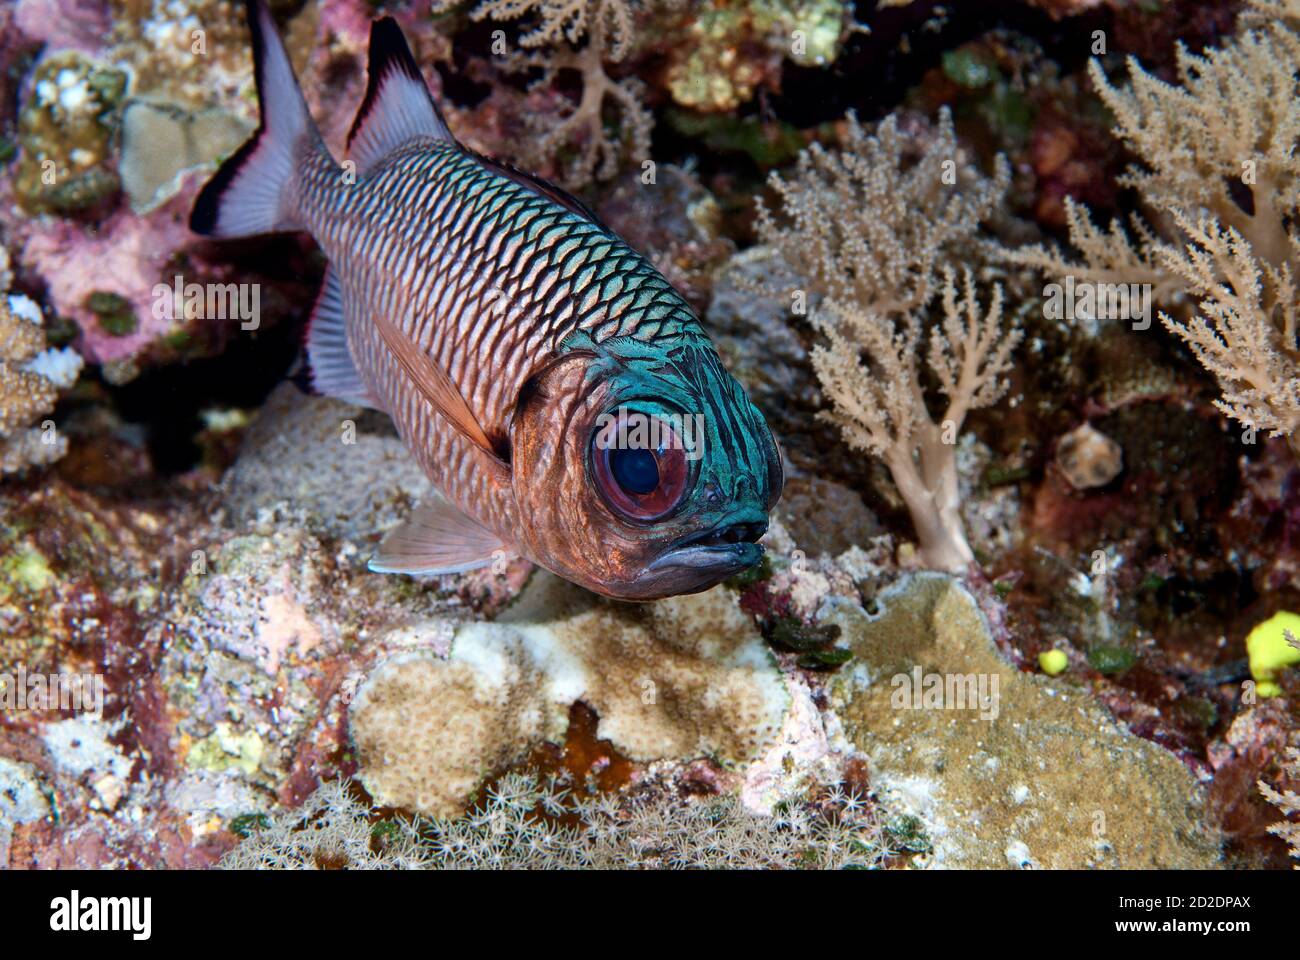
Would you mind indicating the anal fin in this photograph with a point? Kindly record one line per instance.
(333, 372)
(437, 538)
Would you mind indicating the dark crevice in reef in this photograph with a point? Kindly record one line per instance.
(892, 66)
(167, 402)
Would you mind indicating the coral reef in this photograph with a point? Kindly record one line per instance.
(554, 41)
(1049, 777)
(1287, 801)
(524, 824)
(1104, 681)
(730, 49)
(65, 133)
(680, 678)
(31, 377)
(1218, 173)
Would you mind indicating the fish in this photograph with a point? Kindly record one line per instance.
(562, 397)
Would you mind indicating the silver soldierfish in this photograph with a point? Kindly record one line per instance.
(559, 393)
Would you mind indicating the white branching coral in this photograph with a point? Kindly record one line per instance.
(1220, 176)
(30, 379)
(581, 35)
(868, 227)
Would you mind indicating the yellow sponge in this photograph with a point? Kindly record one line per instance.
(1269, 651)
(1053, 661)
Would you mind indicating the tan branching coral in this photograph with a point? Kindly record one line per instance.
(1287, 801)
(581, 35)
(1245, 330)
(868, 226)
(30, 378)
(1220, 176)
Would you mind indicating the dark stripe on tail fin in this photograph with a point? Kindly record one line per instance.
(397, 106)
(250, 193)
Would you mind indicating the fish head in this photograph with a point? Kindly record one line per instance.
(645, 476)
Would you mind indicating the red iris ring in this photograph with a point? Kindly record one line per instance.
(670, 460)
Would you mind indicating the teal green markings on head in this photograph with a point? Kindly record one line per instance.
(560, 394)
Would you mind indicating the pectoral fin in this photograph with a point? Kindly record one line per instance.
(436, 538)
(434, 383)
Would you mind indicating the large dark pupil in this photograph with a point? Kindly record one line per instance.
(635, 470)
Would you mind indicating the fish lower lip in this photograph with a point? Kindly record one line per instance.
(723, 558)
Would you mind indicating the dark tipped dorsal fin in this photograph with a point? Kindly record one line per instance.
(398, 106)
(538, 185)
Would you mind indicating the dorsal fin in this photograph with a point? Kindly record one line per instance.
(398, 106)
(537, 184)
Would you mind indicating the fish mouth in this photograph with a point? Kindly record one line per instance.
(703, 559)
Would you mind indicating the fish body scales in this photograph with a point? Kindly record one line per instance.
(487, 276)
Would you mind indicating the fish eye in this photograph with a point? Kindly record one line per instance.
(640, 466)
(635, 471)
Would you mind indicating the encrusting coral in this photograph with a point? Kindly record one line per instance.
(66, 130)
(527, 823)
(555, 42)
(867, 227)
(1003, 766)
(1220, 175)
(30, 379)
(683, 678)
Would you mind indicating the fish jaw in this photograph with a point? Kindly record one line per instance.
(698, 561)
(695, 568)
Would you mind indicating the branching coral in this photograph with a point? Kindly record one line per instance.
(30, 379)
(1287, 801)
(1245, 332)
(525, 823)
(1220, 175)
(553, 42)
(867, 227)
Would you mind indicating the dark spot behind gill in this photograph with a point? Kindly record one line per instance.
(529, 392)
(500, 446)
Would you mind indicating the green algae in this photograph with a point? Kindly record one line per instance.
(114, 312)
(27, 570)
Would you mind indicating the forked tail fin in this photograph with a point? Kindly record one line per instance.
(251, 193)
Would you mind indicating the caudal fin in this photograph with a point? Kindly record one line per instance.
(251, 192)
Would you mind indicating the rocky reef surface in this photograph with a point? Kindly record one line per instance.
(254, 656)
(1029, 612)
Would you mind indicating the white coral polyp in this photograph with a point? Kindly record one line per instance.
(59, 365)
(27, 308)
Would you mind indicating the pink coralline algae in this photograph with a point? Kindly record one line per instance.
(64, 24)
(127, 256)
